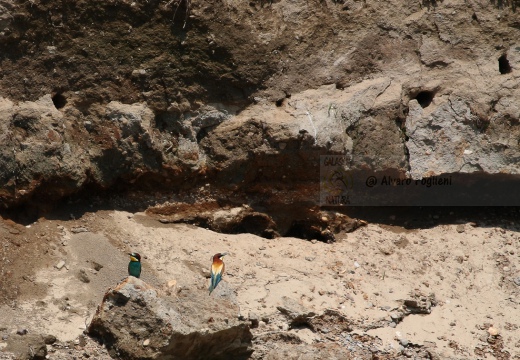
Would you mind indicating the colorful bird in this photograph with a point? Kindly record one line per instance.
(134, 266)
(217, 269)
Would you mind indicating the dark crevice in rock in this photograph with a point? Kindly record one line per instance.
(425, 98)
(308, 229)
(503, 65)
(59, 100)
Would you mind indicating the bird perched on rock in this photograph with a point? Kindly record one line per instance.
(134, 266)
(217, 269)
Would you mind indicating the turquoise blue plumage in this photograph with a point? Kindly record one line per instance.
(134, 266)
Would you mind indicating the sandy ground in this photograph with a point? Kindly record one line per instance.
(471, 271)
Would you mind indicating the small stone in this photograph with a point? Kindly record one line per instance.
(146, 342)
(5, 337)
(408, 353)
(491, 339)
(60, 265)
(79, 230)
(460, 228)
(82, 275)
(97, 266)
(82, 340)
(493, 331)
(395, 316)
(453, 323)
(314, 241)
(356, 264)
(49, 339)
(516, 281)
(404, 342)
(309, 258)
(506, 269)
(172, 283)
(254, 319)
(21, 331)
(392, 325)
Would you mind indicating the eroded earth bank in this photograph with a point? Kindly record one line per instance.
(182, 129)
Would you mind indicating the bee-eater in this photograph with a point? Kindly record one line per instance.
(134, 266)
(217, 269)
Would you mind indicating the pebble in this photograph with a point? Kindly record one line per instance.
(60, 265)
(254, 319)
(82, 275)
(506, 269)
(395, 316)
(393, 325)
(5, 337)
(79, 230)
(314, 241)
(356, 264)
(146, 342)
(493, 331)
(404, 342)
(49, 339)
(21, 331)
(460, 228)
(96, 266)
(516, 281)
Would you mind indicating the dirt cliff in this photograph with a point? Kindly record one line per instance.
(247, 96)
(218, 114)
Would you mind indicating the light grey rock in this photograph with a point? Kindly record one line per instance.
(452, 138)
(191, 325)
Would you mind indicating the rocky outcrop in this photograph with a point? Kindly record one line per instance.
(249, 103)
(24, 346)
(136, 322)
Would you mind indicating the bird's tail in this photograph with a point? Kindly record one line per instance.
(211, 288)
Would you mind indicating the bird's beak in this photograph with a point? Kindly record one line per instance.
(223, 254)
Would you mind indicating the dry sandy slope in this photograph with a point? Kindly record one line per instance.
(365, 275)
